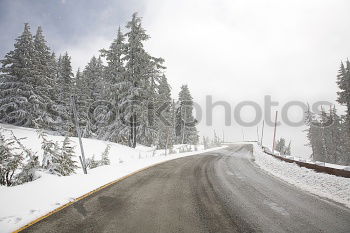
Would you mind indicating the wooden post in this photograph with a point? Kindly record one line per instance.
(274, 134)
(262, 133)
(82, 158)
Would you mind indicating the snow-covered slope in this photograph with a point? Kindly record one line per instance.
(329, 186)
(24, 203)
(92, 147)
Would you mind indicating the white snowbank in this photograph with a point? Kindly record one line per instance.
(324, 185)
(24, 203)
(331, 165)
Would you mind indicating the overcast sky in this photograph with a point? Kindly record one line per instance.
(232, 50)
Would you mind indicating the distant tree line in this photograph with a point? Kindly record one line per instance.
(329, 133)
(122, 95)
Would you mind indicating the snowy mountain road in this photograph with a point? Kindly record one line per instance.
(221, 191)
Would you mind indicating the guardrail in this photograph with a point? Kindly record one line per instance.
(318, 168)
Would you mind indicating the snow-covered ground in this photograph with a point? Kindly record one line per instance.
(24, 203)
(329, 186)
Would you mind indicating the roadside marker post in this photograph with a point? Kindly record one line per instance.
(82, 157)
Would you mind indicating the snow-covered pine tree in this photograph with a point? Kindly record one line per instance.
(30, 163)
(343, 81)
(54, 108)
(51, 154)
(345, 139)
(82, 104)
(315, 136)
(149, 131)
(328, 137)
(18, 100)
(65, 78)
(105, 156)
(280, 145)
(10, 160)
(93, 77)
(337, 138)
(114, 74)
(65, 85)
(94, 82)
(28, 170)
(92, 162)
(135, 87)
(325, 123)
(186, 131)
(44, 71)
(164, 115)
(115, 69)
(78, 83)
(66, 164)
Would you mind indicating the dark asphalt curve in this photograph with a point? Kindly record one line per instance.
(221, 191)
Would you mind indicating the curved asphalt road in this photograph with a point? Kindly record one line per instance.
(219, 191)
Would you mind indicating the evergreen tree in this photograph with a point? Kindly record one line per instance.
(28, 170)
(65, 79)
(26, 82)
(115, 69)
(67, 165)
(114, 75)
(18, 100)
(92, 162)
(93, 77)
(282, 147)
(94, 84)
(326, 135)
(186, 131)
(315, 138)
(104, 158)
(30, 163)
(44, 70)
(10, 160)
(65, 84)
(51, 154)
(343, 81)
(149, 129)
(164, 115)
(82, 104)
(18, 164)
(54, 107)
(336, 138)
(136, 86)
